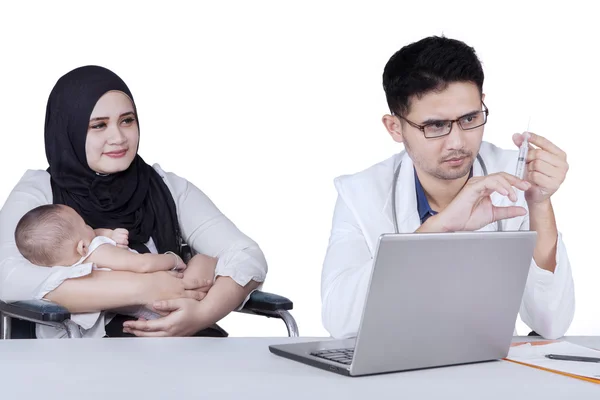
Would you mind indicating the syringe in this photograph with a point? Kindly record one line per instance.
(521, 161)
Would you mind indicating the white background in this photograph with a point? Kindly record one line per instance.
(261, 104)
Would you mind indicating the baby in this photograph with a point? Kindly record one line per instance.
(56, 235)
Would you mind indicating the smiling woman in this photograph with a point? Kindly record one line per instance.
(112, 142)
(91, 137)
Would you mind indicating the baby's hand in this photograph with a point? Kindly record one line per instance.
(121, 237)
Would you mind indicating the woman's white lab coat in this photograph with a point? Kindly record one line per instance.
(363, 212)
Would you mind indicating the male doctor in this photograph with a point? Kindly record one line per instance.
(434, 91)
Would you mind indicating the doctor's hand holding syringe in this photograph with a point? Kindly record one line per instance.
(542, 170)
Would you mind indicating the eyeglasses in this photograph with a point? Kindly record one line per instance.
(440, 128)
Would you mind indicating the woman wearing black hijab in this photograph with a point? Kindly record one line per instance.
(91, 138)
(135, 198)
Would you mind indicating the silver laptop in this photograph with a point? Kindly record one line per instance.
(434, 299)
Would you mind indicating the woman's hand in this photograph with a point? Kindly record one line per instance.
(165, 285)
(186, 317)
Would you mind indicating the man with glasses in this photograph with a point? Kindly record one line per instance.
(447, 180)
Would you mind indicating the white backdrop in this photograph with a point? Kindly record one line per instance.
(261, 104)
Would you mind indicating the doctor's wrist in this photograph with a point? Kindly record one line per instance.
(434, 224)
(544, 207)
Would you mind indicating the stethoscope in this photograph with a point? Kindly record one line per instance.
(395, 183)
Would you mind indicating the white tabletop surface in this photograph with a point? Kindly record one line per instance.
(243, 368)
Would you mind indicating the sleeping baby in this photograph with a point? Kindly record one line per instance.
(56, 235)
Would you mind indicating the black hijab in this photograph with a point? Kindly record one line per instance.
(136, 199)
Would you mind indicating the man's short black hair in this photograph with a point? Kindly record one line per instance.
(428, 65)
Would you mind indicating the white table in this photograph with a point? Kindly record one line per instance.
(243, 368)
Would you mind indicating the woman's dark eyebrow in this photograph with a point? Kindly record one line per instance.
(98, 119)
(120, 116)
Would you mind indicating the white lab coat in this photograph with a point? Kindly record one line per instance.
(363, 212)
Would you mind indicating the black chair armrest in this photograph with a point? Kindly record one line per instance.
(36, 310)
(263, 301)
(40, 310)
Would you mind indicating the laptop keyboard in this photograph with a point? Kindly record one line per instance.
(343, 356)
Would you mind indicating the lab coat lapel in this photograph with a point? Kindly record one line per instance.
(368, 195)
(406, 199)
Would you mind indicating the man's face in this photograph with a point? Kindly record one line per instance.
(451, 156)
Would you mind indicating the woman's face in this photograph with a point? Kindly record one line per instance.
(112, 137)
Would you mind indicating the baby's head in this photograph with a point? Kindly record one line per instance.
(53, 234)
